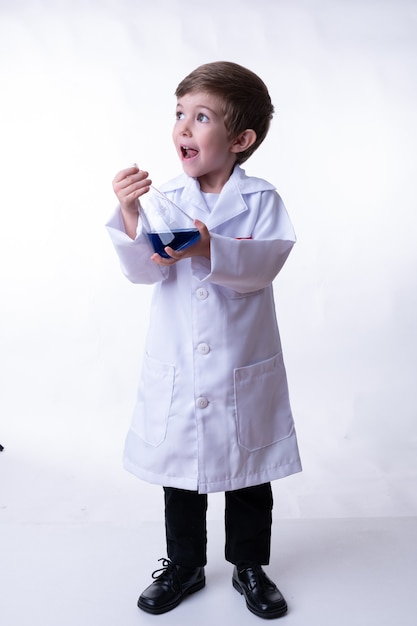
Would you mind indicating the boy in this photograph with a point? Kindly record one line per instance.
(212, 412)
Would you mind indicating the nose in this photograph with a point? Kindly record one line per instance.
(184, 128)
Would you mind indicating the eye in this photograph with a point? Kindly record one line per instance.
(179, 115)
(202, 117)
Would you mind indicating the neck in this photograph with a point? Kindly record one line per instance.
(214, 183)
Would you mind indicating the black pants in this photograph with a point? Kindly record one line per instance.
(248, 520)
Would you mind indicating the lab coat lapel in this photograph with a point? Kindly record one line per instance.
(191, 197)
(229, 204)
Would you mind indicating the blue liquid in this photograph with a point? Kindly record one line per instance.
(182, 239)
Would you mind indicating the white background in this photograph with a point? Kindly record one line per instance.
(87, 89)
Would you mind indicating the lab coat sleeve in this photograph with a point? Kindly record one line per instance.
(249, 265)
(134, 254)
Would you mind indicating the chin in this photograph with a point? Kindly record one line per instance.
(189, 169)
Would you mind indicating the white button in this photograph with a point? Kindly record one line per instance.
(203, 348)
(201, 293)
(201, 402)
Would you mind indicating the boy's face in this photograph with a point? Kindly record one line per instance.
(202, 141)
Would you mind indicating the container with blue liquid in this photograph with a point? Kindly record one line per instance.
(165, 223)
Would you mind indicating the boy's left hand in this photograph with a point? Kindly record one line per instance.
(200, 248)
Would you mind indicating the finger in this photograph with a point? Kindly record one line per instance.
(130, 176)
(159, 260)
(126, 172)
(141, 177)
(174, 254)
(133, 184)
(201, 227)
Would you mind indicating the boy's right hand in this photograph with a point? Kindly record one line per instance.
(129, 185)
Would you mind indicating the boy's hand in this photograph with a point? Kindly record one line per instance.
(129, 185)
(200, 248)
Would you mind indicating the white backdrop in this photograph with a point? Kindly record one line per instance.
(87, 89)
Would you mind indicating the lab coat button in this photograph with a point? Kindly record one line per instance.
(203, 348)
(201, 293)
(201, 402)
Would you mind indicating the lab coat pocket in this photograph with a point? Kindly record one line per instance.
(150, 415)
(263, 411)
(231, 294)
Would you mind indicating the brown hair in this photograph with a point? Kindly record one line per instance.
(244, 98)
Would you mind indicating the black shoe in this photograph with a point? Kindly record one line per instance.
(170, 586)
(262, 596)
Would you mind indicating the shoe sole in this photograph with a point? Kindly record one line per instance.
(271, 615)
(168, 607)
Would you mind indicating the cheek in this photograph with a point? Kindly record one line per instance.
(211, 141)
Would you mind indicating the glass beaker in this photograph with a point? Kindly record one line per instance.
(165, 223)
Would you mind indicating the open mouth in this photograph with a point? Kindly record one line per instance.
(188, 153)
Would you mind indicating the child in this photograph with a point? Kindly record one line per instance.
(212, 411)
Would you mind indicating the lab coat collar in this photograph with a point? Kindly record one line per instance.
(231, 200)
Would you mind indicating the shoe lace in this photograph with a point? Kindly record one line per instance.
(167, 567)
(258, 578)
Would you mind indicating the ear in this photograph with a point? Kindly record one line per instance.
(243, 141)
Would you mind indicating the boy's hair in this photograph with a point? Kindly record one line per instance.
(243, 95)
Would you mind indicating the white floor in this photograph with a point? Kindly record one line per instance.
(359, 572)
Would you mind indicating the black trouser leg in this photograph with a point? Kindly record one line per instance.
(185, 525)
(248, 521)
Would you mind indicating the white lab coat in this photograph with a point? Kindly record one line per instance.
(212, 410)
